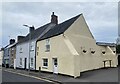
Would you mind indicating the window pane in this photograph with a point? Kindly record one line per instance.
(31, 61)
(45, 62)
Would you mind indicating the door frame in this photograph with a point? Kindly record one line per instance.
(25, 65)
(55, 69)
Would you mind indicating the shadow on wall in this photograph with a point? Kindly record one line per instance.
(118, 52)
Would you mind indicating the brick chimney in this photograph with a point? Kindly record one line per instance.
(19, 38)
(54, 18)
(12, 41)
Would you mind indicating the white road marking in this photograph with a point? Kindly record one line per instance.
(30, 76)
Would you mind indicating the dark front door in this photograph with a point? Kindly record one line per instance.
(119, 60)
(25, 63)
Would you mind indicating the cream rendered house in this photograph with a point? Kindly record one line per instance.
(70, 48)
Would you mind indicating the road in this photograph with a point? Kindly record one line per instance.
(12, 77)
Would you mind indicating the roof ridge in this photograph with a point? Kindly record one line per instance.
(59, 28)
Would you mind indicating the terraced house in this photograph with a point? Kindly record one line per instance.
(69, 48)
(26, 47)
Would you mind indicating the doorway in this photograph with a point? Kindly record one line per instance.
(25, 63)
(55, 65)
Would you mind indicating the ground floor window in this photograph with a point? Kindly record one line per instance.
(20, 61)
(45, 62)
(31, 61)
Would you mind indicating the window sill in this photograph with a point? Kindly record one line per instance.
(44, 67)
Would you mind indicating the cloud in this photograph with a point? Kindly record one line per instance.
(101, 17)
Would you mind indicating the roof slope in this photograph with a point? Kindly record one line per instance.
(50, 30)
(60, 28)
(35, 34)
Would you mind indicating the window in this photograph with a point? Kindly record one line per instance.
(20, 49)
(37, 48)
(31, 61)
(45, 62)
(32, 46)
(37, 53)
(20, 61)
(47, 45)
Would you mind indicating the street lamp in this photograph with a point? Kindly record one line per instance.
(29, 46)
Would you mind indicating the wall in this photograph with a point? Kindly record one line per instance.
(82, 39)
(58, 49)
(25, 54)
(68, 48)
(1, 57)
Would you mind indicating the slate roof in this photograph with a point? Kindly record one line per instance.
(106, 44)
(35, 34)
(41, 33)
(60, 28)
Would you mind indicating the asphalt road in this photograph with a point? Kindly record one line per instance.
(12, 77)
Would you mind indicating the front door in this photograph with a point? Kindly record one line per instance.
(55, 66)
(25, 63)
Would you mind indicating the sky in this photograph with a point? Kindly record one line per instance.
(101, 17)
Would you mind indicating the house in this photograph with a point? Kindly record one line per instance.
(69, 48)
(118, 49)
(108, 52)
(12, 50)
(26, 47)
(1, 56)
(7, 53)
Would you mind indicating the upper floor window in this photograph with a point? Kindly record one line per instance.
(37, 48)
(20, 49)
(31, 61)
(47, 45)
(20, 61)
(45, 62)
(32, 46)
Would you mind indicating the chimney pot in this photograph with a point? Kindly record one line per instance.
(52, 13)
(12, 41)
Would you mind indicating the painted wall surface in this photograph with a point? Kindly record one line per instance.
(82, 39)
(6, 56)
(1, 57)
(12, 55)
(59, 50)
(68, 48)
(22, 51)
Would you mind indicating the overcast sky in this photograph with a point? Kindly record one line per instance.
(101, 17)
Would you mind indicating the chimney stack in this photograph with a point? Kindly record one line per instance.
(32, 29)
(12, 41)
(54, 18)
(19, 38)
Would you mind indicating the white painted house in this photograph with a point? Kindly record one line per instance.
(1, 56)
(26, 48)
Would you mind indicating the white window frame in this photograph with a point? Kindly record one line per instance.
(31, 61)
(20, 61)
(45, 62)
(47, 45)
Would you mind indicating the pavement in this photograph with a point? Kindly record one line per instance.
(100, 75)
